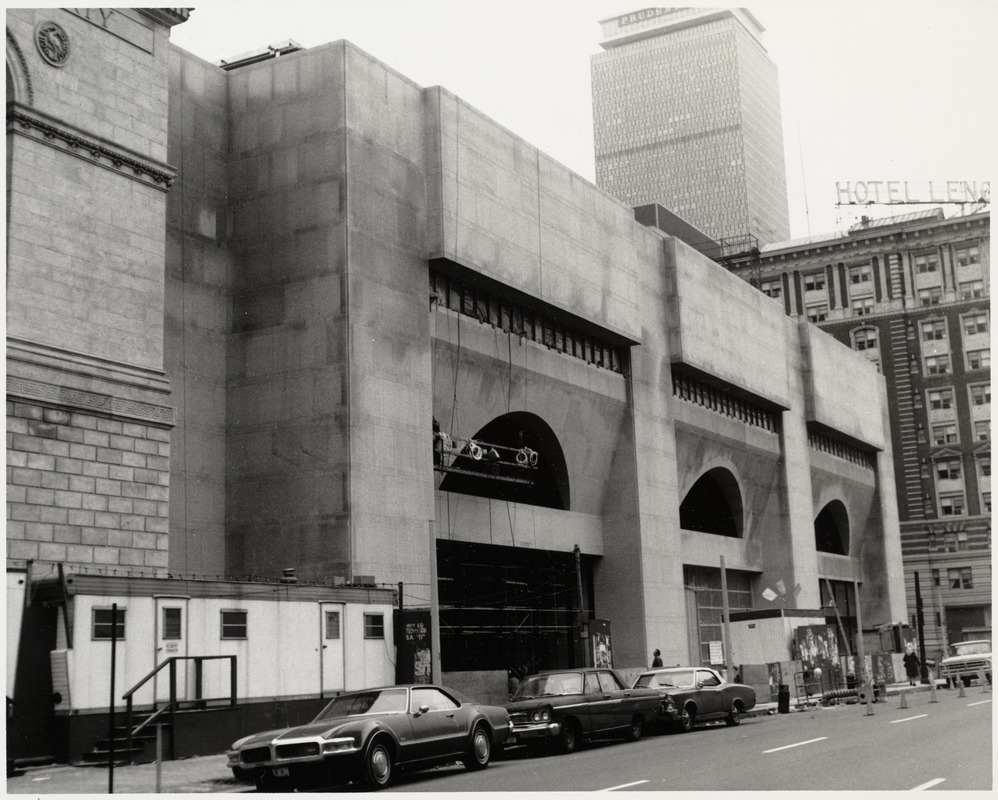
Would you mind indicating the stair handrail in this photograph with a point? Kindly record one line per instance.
(172, 704)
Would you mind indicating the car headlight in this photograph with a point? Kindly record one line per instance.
(338, 745)
(541, 715)
(670, 704)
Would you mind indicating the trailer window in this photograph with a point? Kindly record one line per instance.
(102, 623)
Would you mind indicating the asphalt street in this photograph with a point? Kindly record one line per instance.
(945, 745)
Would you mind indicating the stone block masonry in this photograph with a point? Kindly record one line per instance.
(84, 489)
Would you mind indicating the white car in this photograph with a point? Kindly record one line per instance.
(967, 661)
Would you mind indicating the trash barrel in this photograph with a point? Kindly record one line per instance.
(783, 699)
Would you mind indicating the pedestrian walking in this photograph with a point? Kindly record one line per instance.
(656, 658)
(912, 666)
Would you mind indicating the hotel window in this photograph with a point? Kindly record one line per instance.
(817, 313)
(814, 281)
(948, 470)
(864, 339)
(937, 365)
(982, 430)
(969, 290)
(860, 274)
(975, 323)
(940, 398)
(862, 306)
(944, 434)
(935, 577)
(926, 263)
(931, 296)
(374, 626)
(933, 330)
(978, 359)
(234, 624)
(984, 466)
(986, 502)
(772, 288)
(980, 394)
(965, 256)
(101, 624)
(952, 505)
(960, 578)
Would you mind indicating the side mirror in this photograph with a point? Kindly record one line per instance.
(423, 709)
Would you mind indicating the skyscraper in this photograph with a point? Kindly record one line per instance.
(686, 113)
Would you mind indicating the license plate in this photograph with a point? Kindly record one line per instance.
(280, 772)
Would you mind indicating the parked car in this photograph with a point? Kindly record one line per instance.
(366, 735)
(693, 694)
(966, 661)
(569, 705)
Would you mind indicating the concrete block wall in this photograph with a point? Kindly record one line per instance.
(86, 490)
(199, 268)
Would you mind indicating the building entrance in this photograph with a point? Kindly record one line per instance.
(508, 608)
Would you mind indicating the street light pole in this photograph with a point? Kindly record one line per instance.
(920, 622)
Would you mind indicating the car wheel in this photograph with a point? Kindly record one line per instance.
(735, 715)
(481, 750)
(635, 730)
(688, 719)
(378, 764)
(569, 738)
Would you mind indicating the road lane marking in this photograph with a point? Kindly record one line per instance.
(622, 786)
(788, 746)
(908, 719)
(928, 785)
(979, 703)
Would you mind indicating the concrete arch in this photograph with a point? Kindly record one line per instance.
(550, 487)
(714, 503)
(831, 528)
(18, 77)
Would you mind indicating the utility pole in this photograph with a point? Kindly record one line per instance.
(729, 659)
(583, 633)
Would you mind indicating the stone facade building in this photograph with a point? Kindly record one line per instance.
(300, 312)
(686, 114)
(910, 293)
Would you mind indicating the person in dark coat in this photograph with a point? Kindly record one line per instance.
(656, 660)
(912, 666)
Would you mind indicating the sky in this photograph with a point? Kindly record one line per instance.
(871, 90)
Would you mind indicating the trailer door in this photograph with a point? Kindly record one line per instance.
(331, 637)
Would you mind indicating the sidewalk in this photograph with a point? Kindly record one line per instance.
(198, 775)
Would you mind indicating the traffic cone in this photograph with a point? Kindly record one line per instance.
(904, 699)
(932, 690)
(963, 692)
(984, 682)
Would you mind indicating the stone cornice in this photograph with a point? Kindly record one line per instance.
(167, 16)
(40, 127)
(64, 379)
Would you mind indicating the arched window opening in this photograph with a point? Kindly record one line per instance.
(713, 505)
(544, 483)
(831, 529)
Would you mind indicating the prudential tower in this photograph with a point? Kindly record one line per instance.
(686, 111)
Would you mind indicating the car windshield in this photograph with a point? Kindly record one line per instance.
(971, 648)
(555, 683)
(668, 680)
(377, 701)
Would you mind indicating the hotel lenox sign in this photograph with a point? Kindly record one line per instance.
(862, 193)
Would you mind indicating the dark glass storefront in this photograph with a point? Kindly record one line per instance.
(505, 607)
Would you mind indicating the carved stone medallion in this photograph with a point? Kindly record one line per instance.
(53, 43)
